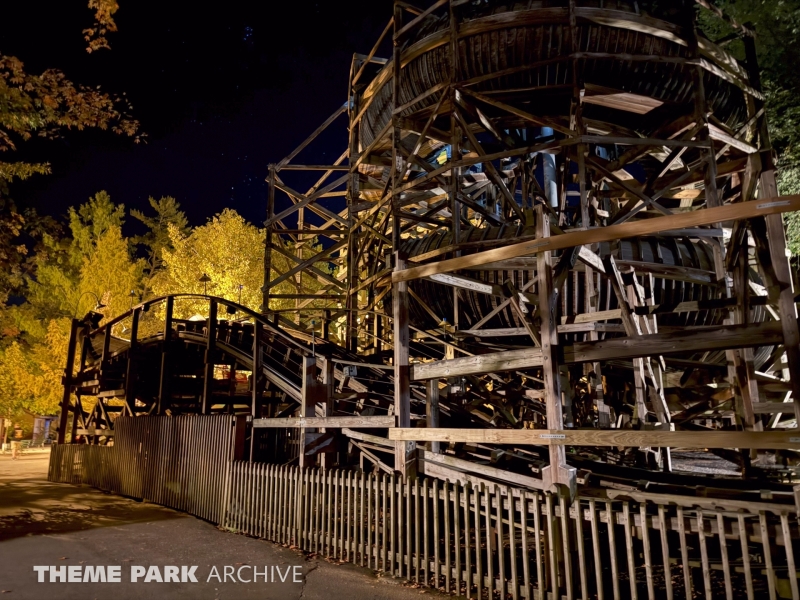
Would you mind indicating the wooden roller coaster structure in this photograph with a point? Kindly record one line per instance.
(560, 227)
(551, 256)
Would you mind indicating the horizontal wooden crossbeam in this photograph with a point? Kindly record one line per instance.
(705, 216)
(678, 342)
(765, 440)
(105, 432)
(377, 422)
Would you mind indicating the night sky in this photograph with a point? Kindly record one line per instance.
(221, 91)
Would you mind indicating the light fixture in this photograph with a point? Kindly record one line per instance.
(205, 279)
(98, 304)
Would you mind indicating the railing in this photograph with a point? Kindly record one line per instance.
(477, 541)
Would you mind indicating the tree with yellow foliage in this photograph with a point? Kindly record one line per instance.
(228, 249)
(95, 260)
(231, 252)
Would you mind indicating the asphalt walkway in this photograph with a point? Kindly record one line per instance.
(55, 525)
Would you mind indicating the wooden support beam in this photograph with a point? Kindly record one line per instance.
(418, 19)
(765, 440)
(432, 409)
(342, 109)
(679, 342)
(308, 404)
(164, 376)
(68, 372)
(467, 466)
(98, 432)
(706, 216)
(402, 382)
(211, 350)
(557, 473)
(781, 271)
(130, 373)
(372, 52)
(256, 388)
(370, 422)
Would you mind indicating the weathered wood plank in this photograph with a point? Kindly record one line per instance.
(766, 440)
(680, 342)
(376, 422)
(707, 216)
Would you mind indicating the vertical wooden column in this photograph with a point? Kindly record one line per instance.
(68, 373)
(211, 351)
(255, 383)
(404, 451)
(268, 241)
(432, 410)
(351, 302)
(455, 152)
(329, 387)
(166, 344)
(106, 351)
(779, 284)
(130, 373)
(396, 174)
(307, 406)
(557, 473)
(781, 288)
(743, 358)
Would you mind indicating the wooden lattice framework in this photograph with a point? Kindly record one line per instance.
(707, 172)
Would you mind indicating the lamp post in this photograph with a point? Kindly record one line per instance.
(98, 305)
(205, 279)
(241, 285)
(132, 295)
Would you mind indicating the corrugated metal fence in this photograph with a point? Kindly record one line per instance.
(180, 462)
(477, 540)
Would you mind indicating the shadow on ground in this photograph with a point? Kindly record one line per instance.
(31, 506)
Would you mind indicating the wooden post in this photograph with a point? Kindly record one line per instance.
(329, 387)
(68, 373)
(432, 410)
(255, 387)
(351, 303)
(455, 152)
(308, 403)
(402, 384)
(211, 350)
(776, 237)
(557, 473)
(164, 378)
(268, 241)
(130, 374)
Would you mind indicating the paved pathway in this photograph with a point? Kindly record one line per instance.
(42, 523)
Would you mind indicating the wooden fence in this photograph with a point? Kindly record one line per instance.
(479, 542)
(180, 462)
(479, 539)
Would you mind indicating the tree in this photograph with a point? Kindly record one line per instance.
(157, 239)
(777, 26)
(231, 252)
(47, 105)
(95, 259)
(227, 248)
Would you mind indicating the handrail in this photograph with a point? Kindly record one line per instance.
(265, 322)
